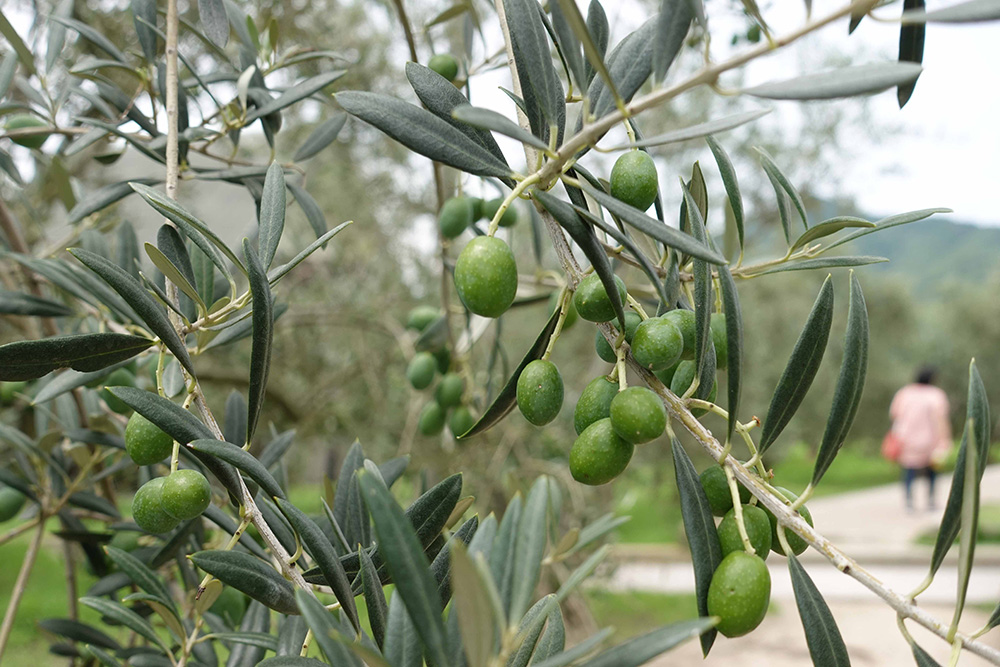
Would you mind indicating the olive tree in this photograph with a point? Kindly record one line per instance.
(464, 589)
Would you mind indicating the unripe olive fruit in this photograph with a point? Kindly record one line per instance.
(797, 544)
(11, 503)
(461, 421)
(638, 415)
(185, 494)
(594, 403)
(540, 392)
(685, 322)
(422, 316)
(147, 508)
(490, 208)
(486, 276)
(634, 180)
(119, 378)
(603, 347)
(23, 121)
(449, 390)
(658, 344)
(682, 379)
(230, 606)
(592, 301)
(716, 487)
(719, 339)
(126, 540)
(455, 216)
(145, 443)
(421, 370)
(443, 358)
(571, 315)
(445, 65)
(477, 208)
(666, 376)
(739, 593)
(10, 390)
(758, 530)
(599, 454)
(431, 420)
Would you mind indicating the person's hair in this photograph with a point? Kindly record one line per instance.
(926, 375)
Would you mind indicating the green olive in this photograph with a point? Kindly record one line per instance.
(716, 487)
(185, 494)
(445, 65)
(739, 593)
(455, 216)
(449, 390)
(594, 403)
(119, 378)
(758, 530)
(638, 415)
(681, 382)
(148, 511)
(431, 421)
(145, 443)
(603, 347)
(540, 392)
(490, 208)
(461, 421)
(684, 320)
(592, 301)
(11, 503)
(599, 454)
(25, 121)
(658, 344)
(421, 370)
(486, 276)
(634, 179)
(797, 544)
(421, 317)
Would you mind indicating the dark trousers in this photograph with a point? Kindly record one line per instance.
(910, 474)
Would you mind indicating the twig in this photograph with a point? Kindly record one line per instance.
(19, 587)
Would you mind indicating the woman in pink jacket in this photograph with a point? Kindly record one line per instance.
(919, 414)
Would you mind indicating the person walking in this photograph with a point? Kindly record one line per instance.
(919, 413)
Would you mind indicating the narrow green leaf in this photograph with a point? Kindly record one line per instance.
(271, 218)
(850, 382)
(703, 302)
(699, 527)
(652, 227)
(502, 554)
(326, 629)
(828, 227)
(407, 565)
(93, 36)
(698, 131)
(891, 221)
(507, 398)
(577, 652)
(125, 616)
(540, 83)
(242, 460)
(290, 661)
(728, 173)
(322, 552)
(23, 52)
(923, 658)
(30, 359)
(487, 119)
(136, 296)
(174, 420)
(257, 618)
(672, 24)
(529, 548)
(101, 198)
(594, 38)
(629, 65)
(911, 47)
(18, 303)
(820, 263)
(258, 639)
(844, 82)
(971, 11)
(778, 179)
(78, 632)
(969, 524)
(313, 212)
(826, 646)
(423, 132)
(553, 639)
(214, 21)
(299, 91)
(144, 19)
(477, 619)
(801, 367)
(249, 575)
(142, 576)
(277, 273)
(173, 274)
(321, 137)
(569, 44)
(734, 346)
(375, 602)
(402, 644)
(263, 336)
(639, 650)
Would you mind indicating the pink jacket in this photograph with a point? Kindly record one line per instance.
(920, 420)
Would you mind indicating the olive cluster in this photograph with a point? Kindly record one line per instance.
(163, 502)
(740, 590)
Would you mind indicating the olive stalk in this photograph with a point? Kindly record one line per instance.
(734, 490)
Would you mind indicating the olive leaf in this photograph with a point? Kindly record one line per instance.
(568, 43)
(78, 632)
(911, 47)
(698, 131)
(100, 198)
(271, 216)
(242, 460)
(540, 85)
(971, 11)
(529, 548)
(594, 38)
(699, 527)
(850, 382)
(781, 183)
(844, 82)
(801, 368)
(327, 633)
(263, 335)
(142, 576)
(703, 302)
(968, 524)
(828, 227)
(672, 25)
(257, 620)
(23, 53)
(30, 359)
(640, 650)
(487, 119)
(728, 173)
(629, 65)
(374, 598)
(299, 91)
(214, 21)
(477, 618)
(826, 646)
(923, 658)
(819, 263)
(888, 223)
(250, 575)
(174, 274)
(122, 615)
(321, 137)
(734, 346)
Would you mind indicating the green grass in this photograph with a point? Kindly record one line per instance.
(634, 613)
(989, 527)
(851, 471)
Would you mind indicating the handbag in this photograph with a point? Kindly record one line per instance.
(891, 447)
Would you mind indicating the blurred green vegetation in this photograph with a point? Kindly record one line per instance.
(633, 613)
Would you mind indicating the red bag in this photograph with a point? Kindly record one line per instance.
(891, 447)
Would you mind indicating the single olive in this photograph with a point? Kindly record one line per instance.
(681, 382)
(461, 421)
(186, 494)
(24, 121)
(445, 65)
(540, 392)
(490, 208)
(797, 544)
(455, 216)
(571, 315)
(449, 390)
(486, 276)
(592, 301)
(421, 317)
(599, 454)
(594, 403)
(126, 540)
(443, 358)
(230, 606)
(10, 390)
(739, 593)
(758, 530)
(603, 347)
(634, 179)
(719, 339)
(431, 421)
(148, 511)
(119, 378)
(477, 208)
(666, 375)
(145, 443)
(685, 322)
(658, 344)
(421, 370)
(716, 487)
(11, 503)
(638, 415)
